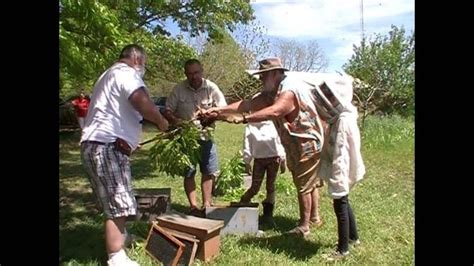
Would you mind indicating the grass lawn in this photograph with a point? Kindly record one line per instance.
(383, 204)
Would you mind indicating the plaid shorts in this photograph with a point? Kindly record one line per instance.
(109, 173)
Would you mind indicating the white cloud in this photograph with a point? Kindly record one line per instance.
(322, 18)
(335, 20)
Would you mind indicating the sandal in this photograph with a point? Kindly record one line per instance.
(316, 223)
(298, 231)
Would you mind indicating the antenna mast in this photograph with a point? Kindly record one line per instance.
(362, 19)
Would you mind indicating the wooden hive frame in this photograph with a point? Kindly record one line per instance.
(191, 243)
(173, 246)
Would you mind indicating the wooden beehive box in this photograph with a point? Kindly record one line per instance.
(152, 202)
(206, 230)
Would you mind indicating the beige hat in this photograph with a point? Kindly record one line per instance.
(269, 64)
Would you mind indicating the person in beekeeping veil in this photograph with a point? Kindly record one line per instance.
(341, 160)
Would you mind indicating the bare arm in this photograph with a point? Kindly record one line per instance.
(285, 104)
(143, 104)
(239, 106)
(261, 101)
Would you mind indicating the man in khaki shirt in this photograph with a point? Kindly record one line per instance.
(186, 98)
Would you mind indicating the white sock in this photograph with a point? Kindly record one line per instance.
(117, 255)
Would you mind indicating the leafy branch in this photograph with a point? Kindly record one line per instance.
(177, 150)
(229, 183)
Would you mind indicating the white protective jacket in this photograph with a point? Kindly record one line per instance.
(341, 160)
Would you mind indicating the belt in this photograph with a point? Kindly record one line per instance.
(94, 142)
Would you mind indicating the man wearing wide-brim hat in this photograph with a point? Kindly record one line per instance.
(288, 103)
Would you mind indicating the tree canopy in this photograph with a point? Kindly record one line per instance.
(92, 33)
(385, 65)
(224, 62)
(301, 56)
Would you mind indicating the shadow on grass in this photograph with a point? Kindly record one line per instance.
(292, 246)
(83, 243)
(81, 228)
(69, 155)
(141, 165)
(71, 170)
(69, 200)
(284, 224)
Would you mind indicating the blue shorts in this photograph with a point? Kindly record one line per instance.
(209, 164)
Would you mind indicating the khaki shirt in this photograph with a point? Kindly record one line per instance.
(184, 100)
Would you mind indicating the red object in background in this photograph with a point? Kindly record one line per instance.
(81, 105)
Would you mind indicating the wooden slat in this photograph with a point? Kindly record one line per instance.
(181, 234)
(206, 226)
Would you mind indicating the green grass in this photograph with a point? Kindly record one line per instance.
(383, 204)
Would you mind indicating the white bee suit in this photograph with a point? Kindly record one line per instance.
(341, 160)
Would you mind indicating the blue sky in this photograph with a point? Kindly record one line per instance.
(334, 24)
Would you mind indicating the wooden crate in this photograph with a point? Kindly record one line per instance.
(152, 202)
(206, 230)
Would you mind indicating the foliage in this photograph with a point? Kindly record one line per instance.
(301, 56)
(165, 62)
(246, 87)
(90, 38)
(223, 62)
(195, 17)
(285, 185)
(388, 132)
(92, 33)
(252, 41)
(250, 38)
(229, 183)
(385, 66)
(177, 150)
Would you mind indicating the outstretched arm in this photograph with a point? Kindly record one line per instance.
(285, 104)
(243, 106)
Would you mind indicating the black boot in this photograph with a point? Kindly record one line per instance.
(266, 221)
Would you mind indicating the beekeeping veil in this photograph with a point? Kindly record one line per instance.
(333, 98)
(341, 160)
